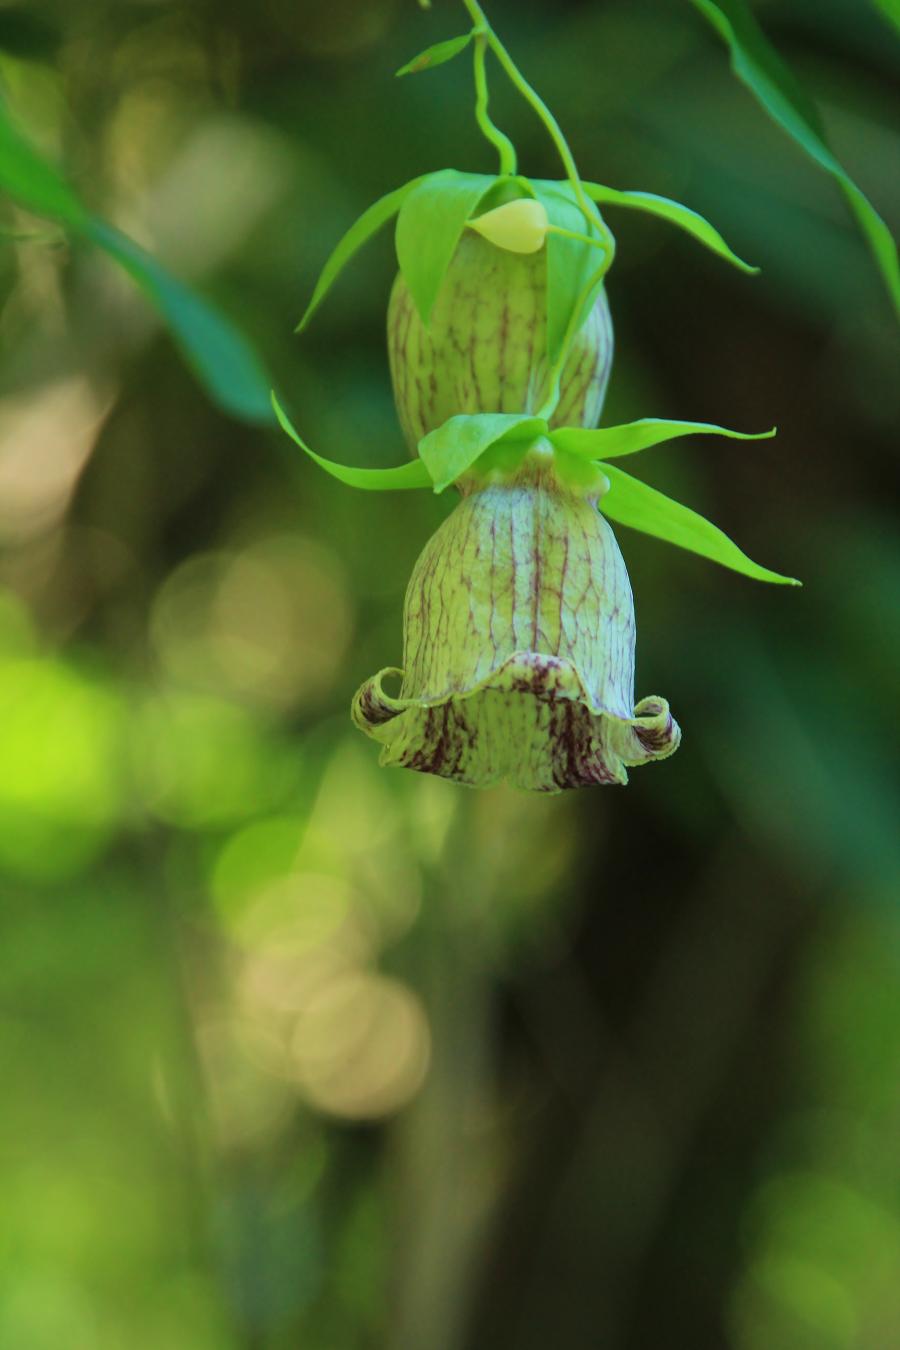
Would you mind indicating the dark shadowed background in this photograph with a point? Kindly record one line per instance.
(296, 1052)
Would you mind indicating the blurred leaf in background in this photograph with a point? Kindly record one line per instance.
(759, 66)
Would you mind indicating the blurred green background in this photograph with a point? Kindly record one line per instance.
(296, 1052)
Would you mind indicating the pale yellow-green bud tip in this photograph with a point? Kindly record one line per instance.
(519, 226)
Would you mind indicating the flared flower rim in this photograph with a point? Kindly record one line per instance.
(531, 720)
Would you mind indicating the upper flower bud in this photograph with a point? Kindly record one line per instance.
(485, 347)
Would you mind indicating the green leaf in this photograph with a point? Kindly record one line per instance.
(571, 263)
(28, 177)
(633, 503)
(431, 220)
(359, 233)
(628, 439)
(436, 55)
(451, 449)
(757, 64)
(220, 356)
(675, 213)
(891, 11)
(411, 475)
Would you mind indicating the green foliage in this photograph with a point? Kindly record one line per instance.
(34, 182)
(500, 440)
(222, 359)
(412, 475)
(454, 447)
(761, 69)
(470, 440)
(630, 502)
(628, 439)
(682, 216)
(369, 223)
(437, 54)
(431, 220)
(891, 11)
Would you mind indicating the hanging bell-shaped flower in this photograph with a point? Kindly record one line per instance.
(519, 643)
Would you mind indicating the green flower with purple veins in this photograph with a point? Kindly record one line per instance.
(519, 643)
(519, 633)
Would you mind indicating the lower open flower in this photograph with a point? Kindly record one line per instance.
(519, 647)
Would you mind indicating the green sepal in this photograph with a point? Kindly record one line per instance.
(451, 449)
(431, 220)
(411, 475)
(220, 356)
(630, 437)
(666, 209)
(758, 65)
(632, 503)
(359, 233)
(436, 55)
(571, 263)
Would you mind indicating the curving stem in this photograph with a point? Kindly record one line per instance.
(497, 138)
(487, 37)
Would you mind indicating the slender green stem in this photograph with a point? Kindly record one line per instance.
(532, 97)
(486, 37)
(497, 138)
(573, 234)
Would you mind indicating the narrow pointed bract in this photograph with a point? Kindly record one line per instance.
(519, 646)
